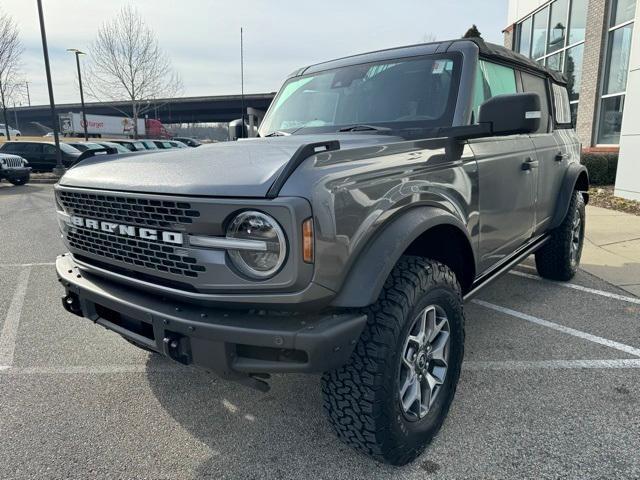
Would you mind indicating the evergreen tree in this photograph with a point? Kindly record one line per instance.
(473, 32)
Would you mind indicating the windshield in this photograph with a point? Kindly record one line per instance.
(68, 149)
(404, 93)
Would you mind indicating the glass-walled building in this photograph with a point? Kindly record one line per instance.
(590, 41)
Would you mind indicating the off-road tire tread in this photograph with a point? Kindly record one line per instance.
(553, 259)
(349, 393)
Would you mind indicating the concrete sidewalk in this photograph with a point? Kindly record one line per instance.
(612, 248)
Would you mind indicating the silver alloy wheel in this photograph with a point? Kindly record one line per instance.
(424, 362)
(576, 231)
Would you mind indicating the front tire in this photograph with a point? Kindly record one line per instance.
(392, 397)
(559, 258)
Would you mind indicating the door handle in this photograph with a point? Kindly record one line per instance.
(529, 164)
(561, 156)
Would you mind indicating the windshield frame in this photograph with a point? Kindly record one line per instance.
(446, 120)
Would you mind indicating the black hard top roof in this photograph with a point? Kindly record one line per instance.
(487, 50)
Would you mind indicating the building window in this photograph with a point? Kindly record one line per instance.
(558, 25)
(540, 24)
(615, 73)
(577, 21)
(554, 36)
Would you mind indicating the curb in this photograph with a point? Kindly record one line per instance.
(43, 180)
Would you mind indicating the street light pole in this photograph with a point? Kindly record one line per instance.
(28, 96)
(59, 168)
(84, 115)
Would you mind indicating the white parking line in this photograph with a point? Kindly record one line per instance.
(12, 319)
(94, 370)
(624, 363)
(553, 364)
(44, 264)
(561, 328)
(579, 287)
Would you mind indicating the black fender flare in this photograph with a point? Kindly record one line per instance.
(373, 265)
(576, 178)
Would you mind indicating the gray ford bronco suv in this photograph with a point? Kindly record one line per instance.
(385, 189)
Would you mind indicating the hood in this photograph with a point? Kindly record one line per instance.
(246, 168)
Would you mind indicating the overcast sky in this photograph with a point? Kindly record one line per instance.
(201, 37)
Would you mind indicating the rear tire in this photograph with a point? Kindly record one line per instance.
(559, 258)
(20, 180)
(366, 399)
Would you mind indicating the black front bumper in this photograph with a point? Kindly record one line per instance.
(13, 173)
(232, 343)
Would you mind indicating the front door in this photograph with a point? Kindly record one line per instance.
(507, 182)
(507, 175)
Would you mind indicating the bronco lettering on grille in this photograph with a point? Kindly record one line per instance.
(127, 230)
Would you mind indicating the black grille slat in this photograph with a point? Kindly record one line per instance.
(136, 252)
(131, 211)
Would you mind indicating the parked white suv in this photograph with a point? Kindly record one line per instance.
(12, 131)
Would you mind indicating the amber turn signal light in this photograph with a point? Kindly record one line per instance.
(307, 240)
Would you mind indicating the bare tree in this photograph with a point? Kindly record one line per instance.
(428, 38)
(128, 63)
(10, 53)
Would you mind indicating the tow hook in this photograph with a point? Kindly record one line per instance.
(71, 304)
(177, 347)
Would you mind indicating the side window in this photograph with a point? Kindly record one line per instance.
(32, 148)
(11, 147)
(491, 80)
(562, 110)
(535, 84)
(49, 149)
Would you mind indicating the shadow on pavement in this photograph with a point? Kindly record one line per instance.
(279, 434)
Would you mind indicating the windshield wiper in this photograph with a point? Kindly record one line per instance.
(278, 133)
(363, 128)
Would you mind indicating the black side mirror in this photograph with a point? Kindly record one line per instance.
(512, 114)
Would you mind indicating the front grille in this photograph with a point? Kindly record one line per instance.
(12, 161)
(133, 211)
(158, 257)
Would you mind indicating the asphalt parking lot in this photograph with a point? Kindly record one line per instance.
(550, 388)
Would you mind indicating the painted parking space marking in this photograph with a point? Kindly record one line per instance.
(622, 363)
(561, 328)
(24, 265)
(595, 291)
(552, 364)
(12, 319)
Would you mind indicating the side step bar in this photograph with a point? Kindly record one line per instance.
(503, 268)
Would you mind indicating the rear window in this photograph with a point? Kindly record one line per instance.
(562, 110)
(535, 84)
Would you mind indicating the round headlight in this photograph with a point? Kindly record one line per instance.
(266, 250)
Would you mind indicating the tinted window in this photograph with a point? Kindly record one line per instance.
(534, 84)
(31, 148)
(10, 147)
(417, 91)
(491, 80)
(49, 149)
